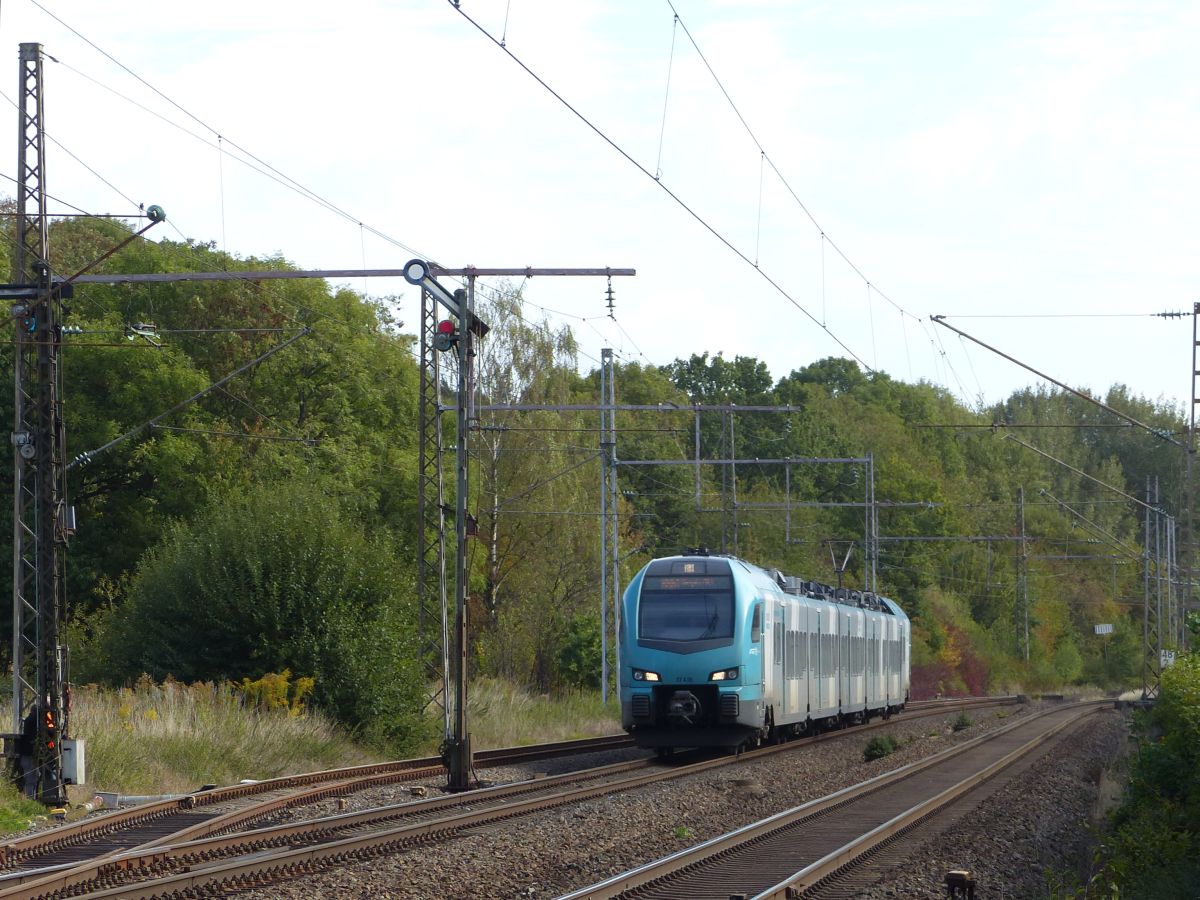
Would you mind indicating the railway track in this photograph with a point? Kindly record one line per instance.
(215, 811)
(813, 849)
(188, 856)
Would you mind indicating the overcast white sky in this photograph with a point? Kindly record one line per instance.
(1034, 161)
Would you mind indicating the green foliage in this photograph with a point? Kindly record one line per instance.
(579, 659)
(963, 722)
(275, 578)
(338, 405)
(880, 746)
(16, 810)
(1153, 849)
(537, 573)
(337, 412)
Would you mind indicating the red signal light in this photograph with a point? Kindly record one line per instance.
(445, 336)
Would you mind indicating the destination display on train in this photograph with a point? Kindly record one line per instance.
(686, 583)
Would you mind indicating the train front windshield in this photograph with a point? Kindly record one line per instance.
(686, 608)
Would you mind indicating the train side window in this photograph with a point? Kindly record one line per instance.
(756, 624)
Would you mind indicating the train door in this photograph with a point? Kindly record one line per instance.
(777, 669)
(869, 661)
(806, 654)
(845, 686)
(821, 667)
(874, 692)
(791, 651)
(770, 652)
(893, 661)
(820, 636)
(858, 657)
(829, 685)
(884, 660)
(891, 673)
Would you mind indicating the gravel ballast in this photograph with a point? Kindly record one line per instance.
(553, 853)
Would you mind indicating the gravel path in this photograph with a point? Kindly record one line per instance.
(555, 852)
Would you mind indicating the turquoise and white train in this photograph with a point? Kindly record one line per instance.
(716, 652)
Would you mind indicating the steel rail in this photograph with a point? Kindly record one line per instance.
(157, 855)
(641, 877)
(200, 844)
(846, 856)
(41, 843)
(25, 848)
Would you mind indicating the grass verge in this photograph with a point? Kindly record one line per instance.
(171, 738)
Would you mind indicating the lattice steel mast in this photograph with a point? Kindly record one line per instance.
(449, 644)
(41, 522)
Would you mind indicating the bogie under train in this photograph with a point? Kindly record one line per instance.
(716, 652)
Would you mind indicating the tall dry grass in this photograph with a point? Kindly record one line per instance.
(502, 715)
(167, 738)
(170, 737)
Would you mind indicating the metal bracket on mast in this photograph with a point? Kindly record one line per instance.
(456, 748)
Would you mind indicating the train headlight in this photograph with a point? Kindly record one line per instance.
(643, 675)
(724, 675)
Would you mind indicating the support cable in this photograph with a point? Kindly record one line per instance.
(88, 456)
(295, 185)
(1009, 437)
(678, 200)
(1092, 526)
(1157, 432)
(666, 97)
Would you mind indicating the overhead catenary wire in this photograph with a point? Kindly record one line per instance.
(766, 157)
(1157, 432)
(67, 151)
(216, 133)
(950, 366)
(223, 144)
(996, 426)
(260, 167)
(1139, 315)
(185, 248)
(675, 197)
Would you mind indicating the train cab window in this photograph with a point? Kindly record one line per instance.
(756, 625)
(686, 608)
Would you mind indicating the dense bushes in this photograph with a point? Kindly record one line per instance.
(1153, 850)
(276, 579)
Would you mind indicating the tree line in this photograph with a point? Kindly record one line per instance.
(271, 524)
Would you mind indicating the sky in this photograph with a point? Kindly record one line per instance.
(791, 180)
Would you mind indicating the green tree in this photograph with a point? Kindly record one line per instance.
(1153, 849)
(277, 578)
